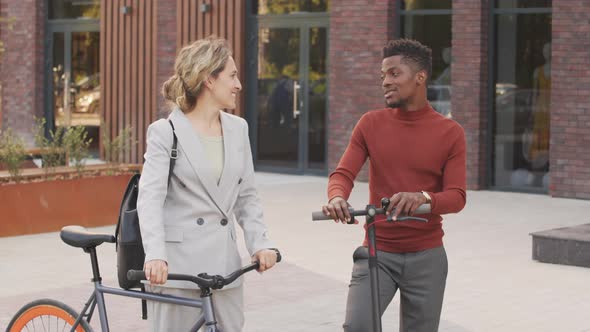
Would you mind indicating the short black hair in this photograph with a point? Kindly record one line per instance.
(412, 51)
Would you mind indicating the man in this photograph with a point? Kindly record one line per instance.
(417, 157)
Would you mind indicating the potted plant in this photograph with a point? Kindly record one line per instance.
(64, 190)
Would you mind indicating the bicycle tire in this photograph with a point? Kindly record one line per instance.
(42, 313)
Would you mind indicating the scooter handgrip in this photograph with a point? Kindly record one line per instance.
(423, 209)
(319, 215)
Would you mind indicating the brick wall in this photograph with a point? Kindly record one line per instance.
(570, 100)
(21, 65)
(166, 48)
(469, 83)
(358, 31)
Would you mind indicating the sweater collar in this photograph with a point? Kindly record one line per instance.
(413, 115)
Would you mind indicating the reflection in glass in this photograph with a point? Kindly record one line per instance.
(317, 97)
(58, 71)
(522, 100)
(76, 85)
(523, 4)
(425, 4)
(434, 31)
(68, 9)
(86, 74)
(86, 83)
(278, 100)
(264, 7)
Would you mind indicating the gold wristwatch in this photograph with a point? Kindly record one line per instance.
(428, 199)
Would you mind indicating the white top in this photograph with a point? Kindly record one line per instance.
(213, 147)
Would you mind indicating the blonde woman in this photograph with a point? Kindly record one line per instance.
(188, 224)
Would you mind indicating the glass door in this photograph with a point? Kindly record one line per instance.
(74, 82)
(316, 101)
(72, 69)
(291, 98)
(279, 97)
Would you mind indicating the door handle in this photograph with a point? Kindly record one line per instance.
(67, 100)
(296, 110)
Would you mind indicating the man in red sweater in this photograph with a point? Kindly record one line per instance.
(417, 156)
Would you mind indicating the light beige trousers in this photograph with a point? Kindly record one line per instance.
(228, 307)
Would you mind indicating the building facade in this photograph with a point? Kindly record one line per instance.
(513, 73)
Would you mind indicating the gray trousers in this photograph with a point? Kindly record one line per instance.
(421, 278)
(228, 307)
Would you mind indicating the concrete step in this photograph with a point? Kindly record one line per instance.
(566, 246)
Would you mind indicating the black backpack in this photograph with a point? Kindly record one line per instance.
(130, 254)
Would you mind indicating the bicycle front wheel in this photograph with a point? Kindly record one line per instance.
(46, 315)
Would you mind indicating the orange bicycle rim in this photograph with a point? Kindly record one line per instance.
(43, 310)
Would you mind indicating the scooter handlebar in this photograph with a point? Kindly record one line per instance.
(319, 215)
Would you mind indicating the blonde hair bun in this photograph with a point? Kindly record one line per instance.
(194, 64)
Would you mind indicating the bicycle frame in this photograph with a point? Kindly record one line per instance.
(207, 315)
(97, 299)
(78, 237)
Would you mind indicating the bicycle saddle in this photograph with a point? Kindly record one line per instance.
(79, 237)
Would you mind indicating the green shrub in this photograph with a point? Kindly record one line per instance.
(116, 148)
(12, 153)
(53, 152)
(76, 143)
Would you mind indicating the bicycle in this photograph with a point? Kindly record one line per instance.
(65, 316)
(370, 212)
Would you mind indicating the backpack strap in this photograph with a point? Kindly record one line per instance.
(173, 157)
(144, 313)
(173, 152)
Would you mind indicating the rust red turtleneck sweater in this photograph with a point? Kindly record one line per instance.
(408, 152)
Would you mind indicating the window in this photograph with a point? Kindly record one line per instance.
(425, 4)
(521, 95)
(429, 22)
(68, 9)
(508, 4)
(277, 7)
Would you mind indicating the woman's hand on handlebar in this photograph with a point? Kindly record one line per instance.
(405, 203)
(266, 258)
(337, 208)
(156, 271)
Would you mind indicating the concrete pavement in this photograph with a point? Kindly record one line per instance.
(493, 284)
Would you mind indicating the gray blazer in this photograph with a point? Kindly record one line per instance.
(191, 223)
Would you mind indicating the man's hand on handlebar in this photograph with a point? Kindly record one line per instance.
(337, 208)
(405, 203)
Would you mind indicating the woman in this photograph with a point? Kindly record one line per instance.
(188, 222)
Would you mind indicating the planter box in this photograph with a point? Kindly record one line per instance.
(567, 246)
(47, 206)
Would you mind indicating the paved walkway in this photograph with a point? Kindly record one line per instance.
(493, 283)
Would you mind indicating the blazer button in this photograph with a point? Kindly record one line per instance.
(223, 222)
(200, 221)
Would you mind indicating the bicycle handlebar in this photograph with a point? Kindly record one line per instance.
(422, 209)
(203, 280)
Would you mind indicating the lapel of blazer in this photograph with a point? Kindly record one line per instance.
(191, 146)
(231, 137)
